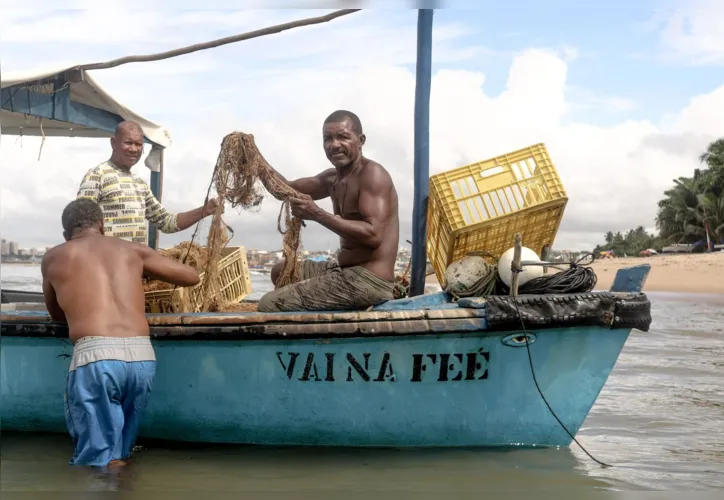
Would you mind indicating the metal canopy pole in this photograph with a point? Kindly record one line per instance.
(157, 190)
(422, 151)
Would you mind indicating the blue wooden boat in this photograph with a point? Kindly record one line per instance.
(422, 371)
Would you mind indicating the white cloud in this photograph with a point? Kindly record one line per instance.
(613, 174)
(692, 31)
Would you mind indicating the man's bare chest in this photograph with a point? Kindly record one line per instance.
(345, 198)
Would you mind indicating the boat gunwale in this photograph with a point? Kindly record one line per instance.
(470, 316)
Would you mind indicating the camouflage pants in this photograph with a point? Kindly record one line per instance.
(324, 286)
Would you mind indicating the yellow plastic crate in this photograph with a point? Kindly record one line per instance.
(481, 206)
(235, 285)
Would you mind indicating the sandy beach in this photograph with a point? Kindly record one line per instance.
(696, 273)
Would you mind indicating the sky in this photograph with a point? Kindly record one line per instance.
(625, 95)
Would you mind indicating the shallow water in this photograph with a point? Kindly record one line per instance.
(659, 421)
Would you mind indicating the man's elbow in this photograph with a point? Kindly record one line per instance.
(374, 240)
(169, 226)
(56, 314)
(58, 318)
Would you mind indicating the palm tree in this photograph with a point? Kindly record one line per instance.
(677, 217)
(714, 154)
(609, 237)
(710, 214)
(711, 179)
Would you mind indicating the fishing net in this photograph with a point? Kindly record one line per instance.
(240, 168)
(239, 175)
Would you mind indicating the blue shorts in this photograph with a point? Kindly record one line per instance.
(104, 401)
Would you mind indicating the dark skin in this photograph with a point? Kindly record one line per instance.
(127, 145)
(94, 283)
(364, 201)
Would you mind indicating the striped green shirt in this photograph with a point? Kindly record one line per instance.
(127, 203)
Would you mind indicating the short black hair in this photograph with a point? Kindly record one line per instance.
(341, 114)
(81, 214)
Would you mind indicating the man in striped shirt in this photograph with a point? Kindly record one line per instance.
(126, 199)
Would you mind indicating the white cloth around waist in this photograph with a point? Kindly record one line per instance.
(91, 349)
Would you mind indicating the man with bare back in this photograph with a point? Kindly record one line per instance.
(94, 283)
(365, 217)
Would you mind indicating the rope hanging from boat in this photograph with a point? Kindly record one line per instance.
(540, 392)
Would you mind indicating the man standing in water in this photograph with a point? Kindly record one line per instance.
(94, 283)
(125, 198)
(365, 217)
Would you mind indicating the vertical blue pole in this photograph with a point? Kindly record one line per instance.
(422, 152)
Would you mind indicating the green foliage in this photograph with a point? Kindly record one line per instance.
(696, 202)
(632, 243)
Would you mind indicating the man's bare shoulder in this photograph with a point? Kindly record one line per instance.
(53, 253)
(328, 175)
(375, 176)
(54, 257)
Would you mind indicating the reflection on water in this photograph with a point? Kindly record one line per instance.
(659, 421)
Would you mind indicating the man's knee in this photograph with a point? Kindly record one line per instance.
(266, 303)
(276, 271)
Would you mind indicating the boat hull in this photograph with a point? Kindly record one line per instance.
(452, 389)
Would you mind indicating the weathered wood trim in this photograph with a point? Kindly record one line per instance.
(265, 318)
(273, 331)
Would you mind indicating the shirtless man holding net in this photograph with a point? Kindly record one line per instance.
(94, 283)
(365, 217)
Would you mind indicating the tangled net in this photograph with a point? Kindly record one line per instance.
(238, 168)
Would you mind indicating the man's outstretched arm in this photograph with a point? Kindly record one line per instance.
(317, 187)
(161, 268)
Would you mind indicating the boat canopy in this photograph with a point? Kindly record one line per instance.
(68, 102)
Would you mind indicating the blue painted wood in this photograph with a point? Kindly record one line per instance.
(439, 300)
(631, 279)
(250, 392)
(422, 152)
(58, 106)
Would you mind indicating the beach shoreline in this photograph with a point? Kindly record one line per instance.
(683, 273)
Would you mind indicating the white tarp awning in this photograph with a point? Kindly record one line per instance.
(83, 90)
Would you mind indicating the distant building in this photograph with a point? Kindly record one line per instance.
(259, 258)
(4, 248)
(14, 248)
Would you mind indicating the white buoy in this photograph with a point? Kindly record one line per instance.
(529, 272)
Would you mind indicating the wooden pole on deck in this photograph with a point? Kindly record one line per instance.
(422, 152)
